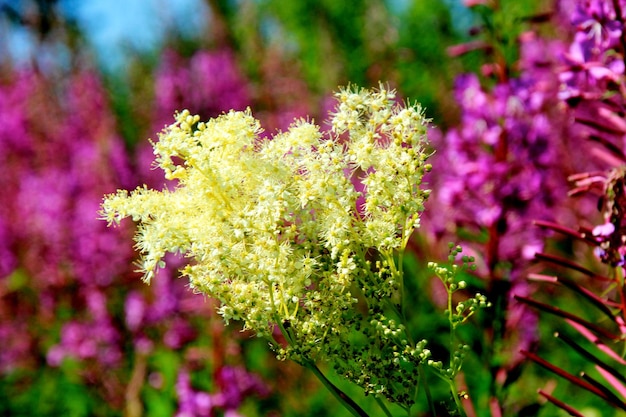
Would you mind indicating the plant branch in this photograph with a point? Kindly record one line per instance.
(337, 393)
(558, 312)
(569, 377)
(560, 404)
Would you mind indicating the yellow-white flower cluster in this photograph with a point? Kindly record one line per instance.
(281, 230)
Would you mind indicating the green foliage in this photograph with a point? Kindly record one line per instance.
(425, 70)
(160, 400)
(353, 33)
(49, 392)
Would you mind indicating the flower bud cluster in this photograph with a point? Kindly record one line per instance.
(282, 231)
(459, 313)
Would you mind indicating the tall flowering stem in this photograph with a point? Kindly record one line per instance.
(501, 167)
(299, 236)
(593, 91)
(457, 315)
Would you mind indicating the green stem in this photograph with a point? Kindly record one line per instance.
(451, 379)
(340, 395)
(455, 395)
(429, 397)
(452, 323)
(382, 406)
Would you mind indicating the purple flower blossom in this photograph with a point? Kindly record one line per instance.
(592, 67)
(134, 310)
(8, 260)
(57, 259)
(207, 84)
(14, 115)
(234, 384)
(63, 153)
(604, 230)
(593, 90)
(498, 170)
(501, 168)
(97, 340)
(597, 29)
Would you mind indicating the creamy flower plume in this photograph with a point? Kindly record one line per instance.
(283, 231)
